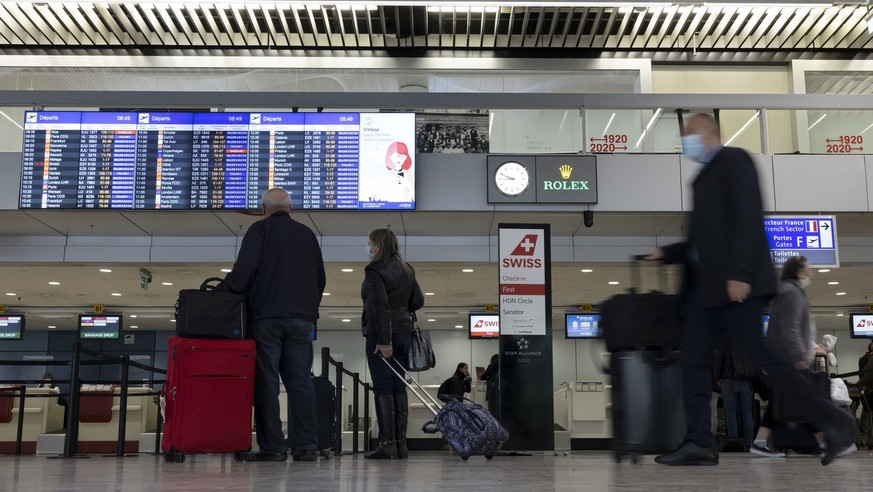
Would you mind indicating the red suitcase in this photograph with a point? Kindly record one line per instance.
(207, 399)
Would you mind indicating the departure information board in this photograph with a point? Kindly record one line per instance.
(210, 161)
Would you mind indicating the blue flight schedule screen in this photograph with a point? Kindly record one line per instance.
(216, 161)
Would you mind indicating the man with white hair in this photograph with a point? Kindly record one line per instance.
(281, 271)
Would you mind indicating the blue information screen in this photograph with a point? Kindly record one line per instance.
(813, 237)
(582, 325)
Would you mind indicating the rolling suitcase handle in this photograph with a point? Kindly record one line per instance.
(636, 277)
(416, 388)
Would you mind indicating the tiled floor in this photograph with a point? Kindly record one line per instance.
(594, 471)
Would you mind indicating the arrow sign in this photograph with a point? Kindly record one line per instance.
(812, 236)
(598, 139)
(830, 140)
(825, 226)
(623, 147)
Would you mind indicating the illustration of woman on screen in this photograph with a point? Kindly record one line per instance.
(396, 186)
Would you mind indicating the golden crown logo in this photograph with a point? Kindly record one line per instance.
(565, 171)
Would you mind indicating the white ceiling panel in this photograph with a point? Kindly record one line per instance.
(82, 223)
(22, 224)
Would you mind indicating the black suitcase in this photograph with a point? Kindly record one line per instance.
(794, 437)
(325, 407)
(647, 409)
(210, 313)
(637, 321)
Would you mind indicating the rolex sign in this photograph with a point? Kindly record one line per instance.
(566, 179)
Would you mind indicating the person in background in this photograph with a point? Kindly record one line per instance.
(281, 271)
(48, 381)
(865, 383)
(791, 339)
(727, 280)
(458, 384)
(492, 386)
(390, 295)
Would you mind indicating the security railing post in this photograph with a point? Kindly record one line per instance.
(72, 440)
(325, 361)
(122, 410)
(338, 436)
(366, 416)
(22, 391)
(356, 381)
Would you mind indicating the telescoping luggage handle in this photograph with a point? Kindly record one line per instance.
(636, 278)
(431, 405)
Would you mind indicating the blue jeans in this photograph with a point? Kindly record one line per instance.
(284, 347)
(736, 392)
(385, 382)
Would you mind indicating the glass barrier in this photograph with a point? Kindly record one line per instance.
(741, 128)
(535, 132)
(839, 132)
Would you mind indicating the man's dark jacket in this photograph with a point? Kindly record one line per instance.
(726, 239)
(390, 294)
(279, 269)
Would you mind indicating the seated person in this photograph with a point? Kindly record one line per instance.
(455, 387)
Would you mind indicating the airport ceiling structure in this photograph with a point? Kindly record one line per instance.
(643, 28)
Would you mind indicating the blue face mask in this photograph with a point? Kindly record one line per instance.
(369, 253)
(693, 146)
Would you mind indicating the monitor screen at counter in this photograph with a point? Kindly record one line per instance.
(579, 325)
(11, 327)
(484, 326)
(215, 161)
(861, 325)
(99, 327)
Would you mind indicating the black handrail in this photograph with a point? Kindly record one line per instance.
(326, 362)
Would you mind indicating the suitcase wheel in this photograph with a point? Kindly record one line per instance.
(246, 456)
(173, 456)
(489, 456)
(465, 458)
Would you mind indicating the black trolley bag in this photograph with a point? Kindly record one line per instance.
(469, 428)
(642, 333)
(211, 313)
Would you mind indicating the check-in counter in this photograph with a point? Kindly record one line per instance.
(584, 409)
(99, 410)
(42, 414)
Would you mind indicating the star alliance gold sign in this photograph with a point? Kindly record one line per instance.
(566, 171)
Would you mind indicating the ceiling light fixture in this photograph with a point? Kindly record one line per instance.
(167, 283)
(133, 327)
(817, 121)
(226, 270)
(458, 326)
(824, 270)
(648, 127)
(586, 270)
(347, 270)
(840, 315)
(743, 128)
(52, 327)
(840, 293)
(11, 294)
(431, 319)
(468, 270)
(133, 316)
(346, 320)
(116, 294)
(54, 283)
(325, 293)
(833, 283)
(429, 293)
(105, 270)
(613, 282)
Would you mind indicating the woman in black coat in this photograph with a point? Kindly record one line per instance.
(390, 295)
(492, 385)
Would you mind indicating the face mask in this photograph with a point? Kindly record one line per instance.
(805, 282)
(693, 146)
(369, 253)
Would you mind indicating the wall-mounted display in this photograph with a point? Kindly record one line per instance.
(214, 161)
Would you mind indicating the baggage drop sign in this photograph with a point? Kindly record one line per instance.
(812, 236)
(523, 267)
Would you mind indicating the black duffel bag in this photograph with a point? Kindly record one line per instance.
(637, 321)
(210, 313)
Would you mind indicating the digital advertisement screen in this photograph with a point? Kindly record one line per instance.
(765, 320)
(582, 325)
(215, 161)
(99, 327)
(861, 325)
(11, 327)
(484, 326)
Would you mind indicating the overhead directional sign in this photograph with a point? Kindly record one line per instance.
(813, 236)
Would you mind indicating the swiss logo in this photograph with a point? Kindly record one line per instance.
(478, 324)
(526, 246)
